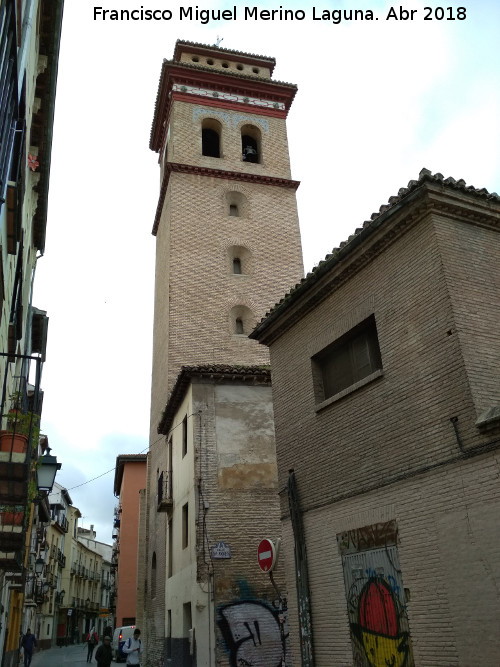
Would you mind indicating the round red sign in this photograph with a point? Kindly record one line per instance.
(266, 555)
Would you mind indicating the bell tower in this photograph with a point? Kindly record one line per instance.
(226, 227)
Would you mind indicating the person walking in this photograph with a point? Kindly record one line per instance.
(92, 640)
(104, 654)
(28, 643)
(133, 648)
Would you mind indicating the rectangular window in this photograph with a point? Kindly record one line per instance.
(185, 525)
(351, 358)
(170, 549)
(169, 634)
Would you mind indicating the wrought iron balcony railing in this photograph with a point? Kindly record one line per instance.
(165, 500)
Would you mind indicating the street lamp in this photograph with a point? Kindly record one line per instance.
(39, 565)
(46, 472)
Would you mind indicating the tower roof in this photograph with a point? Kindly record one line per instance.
(182, 46)
(184, 75)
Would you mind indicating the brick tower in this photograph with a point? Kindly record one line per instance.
(227, 239)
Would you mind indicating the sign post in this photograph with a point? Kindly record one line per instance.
(266, 555)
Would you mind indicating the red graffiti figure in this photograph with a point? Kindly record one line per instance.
(378, 627)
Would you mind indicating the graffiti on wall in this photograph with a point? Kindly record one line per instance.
(255, 633)
(377, 629)
(376, 605)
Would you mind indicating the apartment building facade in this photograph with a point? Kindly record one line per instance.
(130, 478)
(29, 47)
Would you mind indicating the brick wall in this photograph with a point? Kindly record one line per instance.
(239, 483)
(196, 290)
(389, 450)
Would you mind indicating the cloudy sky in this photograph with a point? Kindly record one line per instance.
(378, 100)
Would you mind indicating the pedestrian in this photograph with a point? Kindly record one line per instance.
(28, 643)
(92, 640)
(108, 631)
(133, 648)
(104, 654)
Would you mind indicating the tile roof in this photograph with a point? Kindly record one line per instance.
(394, 202)
(220, 372)
(231, 73)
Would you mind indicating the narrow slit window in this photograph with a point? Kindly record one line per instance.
(238, 326)
(233, 210)
(184, 437)
(237, 265)
(185, 525)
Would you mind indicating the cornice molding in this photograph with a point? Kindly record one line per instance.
(369, 242)
(241, 86)
(214, 173)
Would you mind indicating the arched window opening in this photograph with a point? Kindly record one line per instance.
(242, 320)
(239, 263)
(237, 204)
(249, 149)
(250, 143)
(210, 138)
(210, 143)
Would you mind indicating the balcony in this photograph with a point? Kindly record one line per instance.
(13, 480)
(165, 500)
(11, 535)
(61, 558)
(60, 522)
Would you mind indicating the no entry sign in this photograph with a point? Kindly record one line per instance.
(266, 555)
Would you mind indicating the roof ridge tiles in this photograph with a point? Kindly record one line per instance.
(181, 42)
(424, 176)
(239, 75)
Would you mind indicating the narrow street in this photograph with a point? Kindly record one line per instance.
(75, 654)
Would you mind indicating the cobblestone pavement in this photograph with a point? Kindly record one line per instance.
(75, 654)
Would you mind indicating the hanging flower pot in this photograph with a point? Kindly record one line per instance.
(12, 516)
(13, 442)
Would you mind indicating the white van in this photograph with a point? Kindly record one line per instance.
(120, 636)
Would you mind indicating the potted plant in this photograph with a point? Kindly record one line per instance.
(19, 426)
(12, 515)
